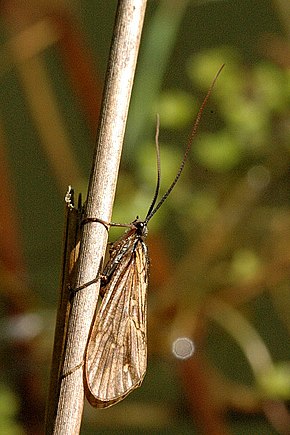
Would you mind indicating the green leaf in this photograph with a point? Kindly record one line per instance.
(218, 152)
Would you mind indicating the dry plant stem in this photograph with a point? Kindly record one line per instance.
(70, 254)
(119, 80)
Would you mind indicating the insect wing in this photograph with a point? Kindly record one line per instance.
(116, 355)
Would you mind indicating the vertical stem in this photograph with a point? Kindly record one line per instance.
(119, 80)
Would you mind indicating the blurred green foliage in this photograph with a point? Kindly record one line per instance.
(8, 412)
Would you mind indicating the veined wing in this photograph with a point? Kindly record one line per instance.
(116, 355)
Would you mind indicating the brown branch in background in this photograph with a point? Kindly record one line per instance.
(29, 36)
(80, 68)
(32, 32)
(65, 415)
(21, 347)
(279, 416)
(11, 255)
(203, 408)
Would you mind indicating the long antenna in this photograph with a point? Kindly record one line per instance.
(158, 169)
(153, 210)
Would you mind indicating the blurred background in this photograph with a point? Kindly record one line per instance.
(219, 318)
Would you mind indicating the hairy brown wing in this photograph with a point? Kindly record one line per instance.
(116, 355)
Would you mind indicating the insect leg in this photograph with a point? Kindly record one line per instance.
(107, 225)
(70, 372)
(101, 221)
(87, 284)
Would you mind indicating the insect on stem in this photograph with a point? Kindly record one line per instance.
(116, 353)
